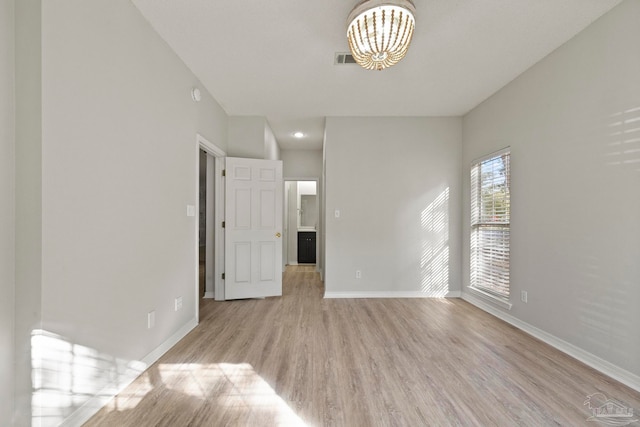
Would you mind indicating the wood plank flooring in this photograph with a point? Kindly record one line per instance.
(303, 360)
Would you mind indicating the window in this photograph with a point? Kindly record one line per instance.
(490, 219)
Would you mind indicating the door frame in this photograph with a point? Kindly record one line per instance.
(319, 259)
(218, 206)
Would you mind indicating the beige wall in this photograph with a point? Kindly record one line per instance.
(572, 123)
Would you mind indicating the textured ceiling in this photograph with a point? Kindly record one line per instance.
(276, 58)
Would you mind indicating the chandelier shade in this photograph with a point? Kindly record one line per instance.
(379, 32)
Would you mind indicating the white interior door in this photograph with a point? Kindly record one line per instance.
(253, 228)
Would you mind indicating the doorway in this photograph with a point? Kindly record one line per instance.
(203, 254)
(301, 220)
(209, 237)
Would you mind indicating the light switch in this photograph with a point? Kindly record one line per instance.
(191, 210)
(337, 213)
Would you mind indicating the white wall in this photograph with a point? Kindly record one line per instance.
(117, 171)
(301, 163)
(7, 210)
(572, 123)
(306, 188)
(396, 182)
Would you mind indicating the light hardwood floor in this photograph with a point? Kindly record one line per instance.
(303, 360)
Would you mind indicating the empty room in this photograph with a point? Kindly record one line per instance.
(331, 213)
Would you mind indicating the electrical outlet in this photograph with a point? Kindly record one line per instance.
(358, 274)
(177, 304)
(151, 319)
(523, 296)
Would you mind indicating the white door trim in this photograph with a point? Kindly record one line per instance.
(219, 155)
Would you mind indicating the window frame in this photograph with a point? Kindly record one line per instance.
(477, 225)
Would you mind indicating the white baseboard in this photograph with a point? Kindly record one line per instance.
(93, 405)
(390, 294)
(209, 295)
(625, 377)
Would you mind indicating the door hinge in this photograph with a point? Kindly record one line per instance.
(224, 172)
(223, 276)
(224, 224)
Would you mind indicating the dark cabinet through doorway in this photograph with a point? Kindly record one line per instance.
(306, 247)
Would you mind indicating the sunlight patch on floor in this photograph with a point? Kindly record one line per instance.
(235, 386)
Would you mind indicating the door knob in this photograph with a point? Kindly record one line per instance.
(278, 234)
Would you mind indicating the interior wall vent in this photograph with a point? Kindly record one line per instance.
(344, 58)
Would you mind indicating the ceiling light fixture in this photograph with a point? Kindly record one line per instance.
(298, 134)
(380, 32)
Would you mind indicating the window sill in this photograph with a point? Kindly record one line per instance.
(500, 302)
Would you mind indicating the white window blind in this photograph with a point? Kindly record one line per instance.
(490, 218)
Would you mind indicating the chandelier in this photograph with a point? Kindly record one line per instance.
(380, 32)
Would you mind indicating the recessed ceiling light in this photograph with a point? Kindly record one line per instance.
(298, 134)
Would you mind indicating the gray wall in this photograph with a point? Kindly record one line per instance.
(271, 147)
(7, 209)
(396, 182)
(246, 137)
(572, 123)
(106, 164)
(28, 166)
(251, 137)
(104, 148)
(301, 163)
